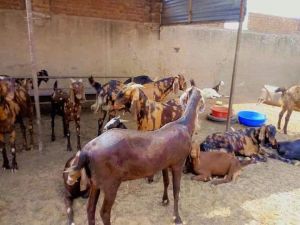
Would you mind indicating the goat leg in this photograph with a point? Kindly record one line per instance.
(69, 147)
(92, 203)
(165, 198)
(69, 203)
(64, 126)
(52, 123)
(4, 155)
(287, 119)
(14, 165)
(23, 129)
(280, 118)
(30, 128)
(176, 175)
(77, 122)
(110, 193)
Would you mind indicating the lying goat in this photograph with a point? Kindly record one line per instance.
(289, 149)
(209, 164)
(9, 110)
(212, 92)
(290, 100)
(245, 142)
(119, 155)
(82, 187)
(72, 110)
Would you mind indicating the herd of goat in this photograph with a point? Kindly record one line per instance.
(165, 143)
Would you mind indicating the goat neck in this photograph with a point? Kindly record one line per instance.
(190, 115)
(164, 86)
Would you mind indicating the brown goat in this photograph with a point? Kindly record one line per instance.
(209, 164)
(8, 113)
(119, 155)
(290, 100)
(72, 110)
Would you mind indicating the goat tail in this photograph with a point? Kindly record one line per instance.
(81, 160)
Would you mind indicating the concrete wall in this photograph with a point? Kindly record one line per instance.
(207, 56)
(70, 45)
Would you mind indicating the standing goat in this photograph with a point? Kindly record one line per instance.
(72, 110)
(8, 114)
(82, 187)
(58, 99)
(157, 91)
(149, 114)
(290, 100)
(119, 155)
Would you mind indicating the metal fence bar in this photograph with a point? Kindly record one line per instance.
(33, 71)
(236, 57)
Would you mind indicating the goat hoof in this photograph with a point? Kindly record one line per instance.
(5, 167)
(53, 138)
(165, 202)
(69, 149)
(178, 221)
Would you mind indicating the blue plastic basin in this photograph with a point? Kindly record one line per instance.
(251, 118)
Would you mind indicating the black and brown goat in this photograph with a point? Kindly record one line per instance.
(82, 187)
(244, 142)
(149, 114)
(157, 91)
(120, 155)
(9, 110)
(290, 99)
(72, 110)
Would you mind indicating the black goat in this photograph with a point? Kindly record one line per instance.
(142, 79)
(81, 188)
(289, 149)
(58, 99)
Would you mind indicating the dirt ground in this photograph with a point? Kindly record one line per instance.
(265, 193)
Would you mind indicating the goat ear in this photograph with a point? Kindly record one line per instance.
(55, 85)
(135, 108)
(262, 134)
(72, 80)
(176, 85)
(10, 92)
(83, 180)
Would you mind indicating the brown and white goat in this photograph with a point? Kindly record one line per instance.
(8, 114)
(72, 110)
(120, 155)
(290, 100)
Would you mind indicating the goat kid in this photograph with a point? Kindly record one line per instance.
(119, 155)
(8, 114)
(72, 110)
(209, 164)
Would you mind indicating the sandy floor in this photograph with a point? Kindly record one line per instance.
(266, 193)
